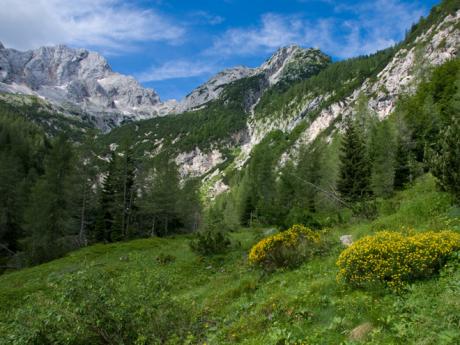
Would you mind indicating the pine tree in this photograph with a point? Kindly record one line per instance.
(127, 189)
(309, 169)
(86, 178)
(403, 173)
(382, 151)
(161, 198)
(108, 224)
(354, 174)
(50, 214)
(446, 164)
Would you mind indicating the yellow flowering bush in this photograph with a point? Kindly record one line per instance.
(285, 249)
(394, 258)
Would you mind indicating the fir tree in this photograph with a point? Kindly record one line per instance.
(108, 224)
(50, 214)
(161, 199)
(354, 174)
(382, 151)
(446, 165)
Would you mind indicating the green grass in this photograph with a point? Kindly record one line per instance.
(232, 303)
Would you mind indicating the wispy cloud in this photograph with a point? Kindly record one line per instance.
(375, 26)
(177, 69)
(105, 24)
(204, 17)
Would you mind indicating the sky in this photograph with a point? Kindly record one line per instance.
(173, 46)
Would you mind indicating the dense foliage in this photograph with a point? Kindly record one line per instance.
(91, 307)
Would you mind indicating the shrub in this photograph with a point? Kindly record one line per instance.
(303, 216)
(92, 307)
(393, 258)
(210, 242)
(164, 259)
(285, 249)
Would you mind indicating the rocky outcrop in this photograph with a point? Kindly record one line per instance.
(197, 163)
(401, 76)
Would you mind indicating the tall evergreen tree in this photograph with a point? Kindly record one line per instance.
(86, 179)
(309, 170)
(160, 202)
(50, 216)
(354, 174)
(382, 151)
(446, 163)
(127, 180)
(108, 223)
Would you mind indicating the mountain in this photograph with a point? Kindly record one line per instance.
(286, 65)
(335, 152)
(82, 81)
(296, 92)
(77, 79)
(212, 133)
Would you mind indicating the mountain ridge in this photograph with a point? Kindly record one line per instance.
(84, 79)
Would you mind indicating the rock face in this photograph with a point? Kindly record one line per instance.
(79, 77)
(287, 65)
(212, 88)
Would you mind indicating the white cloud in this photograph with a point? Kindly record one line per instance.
(177, 69)
(204, 17)
(376, 25)
(106, 24)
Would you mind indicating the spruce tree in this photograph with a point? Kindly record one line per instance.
(108, 224)
(446, 165)
(382, 151)
(127, 180)
(354, 174)
(50, 215)
(161, 198)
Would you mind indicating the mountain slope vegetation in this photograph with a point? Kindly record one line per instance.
(263, 216)
(130, 293)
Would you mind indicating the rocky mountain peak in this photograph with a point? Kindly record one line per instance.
(80, 77)
(293, 62)
(287, 64)
(2, 46)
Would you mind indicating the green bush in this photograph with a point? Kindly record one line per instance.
(302, 216)
(164, 259)
(100, 308)
(210, 242)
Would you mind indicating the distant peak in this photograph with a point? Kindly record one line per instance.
(2, 46)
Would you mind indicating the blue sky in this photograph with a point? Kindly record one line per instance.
(175, 45)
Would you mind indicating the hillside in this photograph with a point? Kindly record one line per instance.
(159, 288)
(301, 201)
(304, 108)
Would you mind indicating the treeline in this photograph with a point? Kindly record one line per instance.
(57, 196)
(368, 160)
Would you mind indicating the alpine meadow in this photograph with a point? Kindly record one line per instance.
(312, 199)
